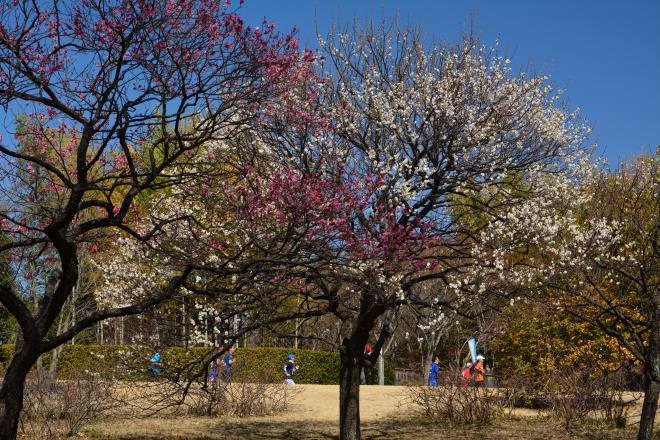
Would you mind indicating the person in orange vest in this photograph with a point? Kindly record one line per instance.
(479, 372)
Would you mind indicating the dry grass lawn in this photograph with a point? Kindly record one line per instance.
(314, 414)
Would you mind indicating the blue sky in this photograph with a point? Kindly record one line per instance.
(606, 54)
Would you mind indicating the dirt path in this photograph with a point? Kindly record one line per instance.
(321, 403)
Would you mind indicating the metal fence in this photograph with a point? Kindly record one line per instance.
(407, 376)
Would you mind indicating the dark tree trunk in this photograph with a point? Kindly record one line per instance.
(352, 360)
(11, 393)
(349, 388)
(651, 393)
(651, 380)
(651, 376)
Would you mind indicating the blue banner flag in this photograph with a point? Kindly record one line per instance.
(472, 345)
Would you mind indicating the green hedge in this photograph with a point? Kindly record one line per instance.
(131, 362)
(6, 352)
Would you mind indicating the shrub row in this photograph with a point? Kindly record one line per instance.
(131, 362)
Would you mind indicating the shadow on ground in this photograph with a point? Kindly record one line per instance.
(508, 429)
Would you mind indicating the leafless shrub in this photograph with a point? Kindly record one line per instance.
(571, 395)
(60, 408)
(615, 401)
(457, 402)
(578, 394)
(239, 399)
(523, 391)
(260, 393)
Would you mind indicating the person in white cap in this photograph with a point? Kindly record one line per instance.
(479, 372)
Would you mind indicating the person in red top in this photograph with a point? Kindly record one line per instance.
(367, 353)
(466, 373)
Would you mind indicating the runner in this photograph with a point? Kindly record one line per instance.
(155, 363)
(213, 370)
(228, 363)
(290, 369)
(433, 373)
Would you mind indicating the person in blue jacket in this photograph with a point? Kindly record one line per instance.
(213, 370)
(155, 363)
(290, 369)
(228, 364)
(433, 373)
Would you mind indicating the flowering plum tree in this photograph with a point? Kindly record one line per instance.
(204, 225)
(116, 95)
(415, 135)
(597, 248)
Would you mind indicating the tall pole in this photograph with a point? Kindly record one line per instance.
(381, 369)
(295, 340)
(121, 331)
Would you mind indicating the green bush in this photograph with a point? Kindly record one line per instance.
(372, 373)
(6, 353)
(131, 362)
(315, 366)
